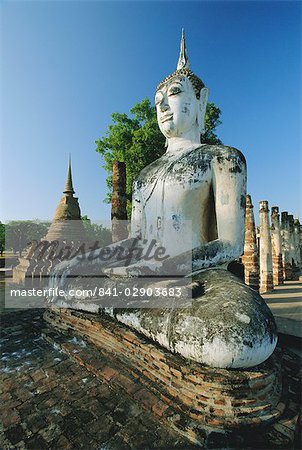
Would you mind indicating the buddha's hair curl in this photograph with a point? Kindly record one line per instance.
(197, 83)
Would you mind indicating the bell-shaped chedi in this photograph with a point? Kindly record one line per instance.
(250, 257)
(63, 239)
(67, 224)
(276, 247)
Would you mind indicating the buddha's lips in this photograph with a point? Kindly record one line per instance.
(165, 118)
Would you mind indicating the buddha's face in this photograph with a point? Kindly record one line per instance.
(177, 107)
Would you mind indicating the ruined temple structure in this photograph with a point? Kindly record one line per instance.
(276, 247)
(250, 258)
(265, 250)
(300, 242)
(67, 224)
(294, 257)
(286, 247)
(65, 236)
(297, 245)
(209, 358)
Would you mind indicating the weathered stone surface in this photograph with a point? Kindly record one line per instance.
(276, 247)
(265, 250)
(286, 247)
(297, 245)
(228, 326)
(250, 258)
(294, 226)
(201, 188)
(176, 217)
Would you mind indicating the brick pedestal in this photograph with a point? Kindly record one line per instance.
(216, 398)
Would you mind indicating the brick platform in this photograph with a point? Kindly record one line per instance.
(50, 402)
(197, 402)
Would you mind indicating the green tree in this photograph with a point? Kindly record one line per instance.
(97, 232)
(137, 141)
(20, 233)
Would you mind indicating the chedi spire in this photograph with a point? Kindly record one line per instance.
(68, 185)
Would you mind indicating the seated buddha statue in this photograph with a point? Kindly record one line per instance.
(192, 200)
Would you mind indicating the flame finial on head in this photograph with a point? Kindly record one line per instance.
(183, 60)
(184, 70)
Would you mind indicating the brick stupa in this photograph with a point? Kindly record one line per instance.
(64, 237)
(67, 224)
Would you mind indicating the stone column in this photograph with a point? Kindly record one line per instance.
(276, 247)
(300, 237)
(285, 233)
(119, 202)
(266, 264)
(293, 253)
(258, 239)
(250, 257)
(297, 242)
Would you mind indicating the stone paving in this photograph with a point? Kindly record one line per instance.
(285, 302)
(51, 402)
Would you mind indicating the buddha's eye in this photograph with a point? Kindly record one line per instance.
(174, 90)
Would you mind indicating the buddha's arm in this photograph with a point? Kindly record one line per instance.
(229, 186)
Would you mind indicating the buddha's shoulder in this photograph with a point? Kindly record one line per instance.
(201, 156)
(221, 152)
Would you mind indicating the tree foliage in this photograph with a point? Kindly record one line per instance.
(97, 232)
(20, 233)
(138, 141)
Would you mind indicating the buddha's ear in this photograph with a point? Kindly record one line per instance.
(203, 99)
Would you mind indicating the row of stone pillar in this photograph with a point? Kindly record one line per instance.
(275, 254)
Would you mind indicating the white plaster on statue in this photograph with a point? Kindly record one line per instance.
(204, 186)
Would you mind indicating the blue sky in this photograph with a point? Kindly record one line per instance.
(66, 66)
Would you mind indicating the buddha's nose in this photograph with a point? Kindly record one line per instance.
(164, 106)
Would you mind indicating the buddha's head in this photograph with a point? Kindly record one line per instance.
(181, 100)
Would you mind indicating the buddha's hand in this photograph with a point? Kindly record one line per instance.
(135, 270)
